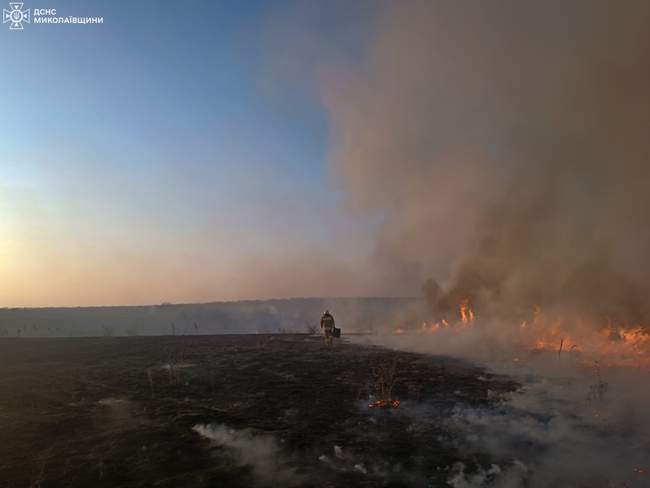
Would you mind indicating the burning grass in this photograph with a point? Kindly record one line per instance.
(586, 341)
(580, 419)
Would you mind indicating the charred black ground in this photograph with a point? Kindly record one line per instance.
(121, 411)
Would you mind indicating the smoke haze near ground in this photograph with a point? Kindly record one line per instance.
(505, 145)
(262, 453)
(574, 421)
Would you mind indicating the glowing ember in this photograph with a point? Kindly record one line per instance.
(384, 404)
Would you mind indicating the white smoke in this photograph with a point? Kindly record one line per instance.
(574, 422)
(261, 452)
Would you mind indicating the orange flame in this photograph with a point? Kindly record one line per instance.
(384, 404)
(466, 313)
(613, 344)
(610, 343)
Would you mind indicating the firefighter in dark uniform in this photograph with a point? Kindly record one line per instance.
(327, 324)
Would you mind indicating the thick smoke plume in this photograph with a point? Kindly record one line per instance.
(506, 147)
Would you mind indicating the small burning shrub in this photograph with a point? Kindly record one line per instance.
(384, 376)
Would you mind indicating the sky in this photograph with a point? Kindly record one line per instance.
(173, 153)
(220, 150)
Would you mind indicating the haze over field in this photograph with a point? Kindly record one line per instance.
(297, 315)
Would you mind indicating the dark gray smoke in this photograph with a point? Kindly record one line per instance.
(506, 145)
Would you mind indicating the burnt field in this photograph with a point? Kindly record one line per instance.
(232, 410)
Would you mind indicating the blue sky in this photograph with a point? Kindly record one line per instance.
(171, 144)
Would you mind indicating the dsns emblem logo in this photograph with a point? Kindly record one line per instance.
(15, 16)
